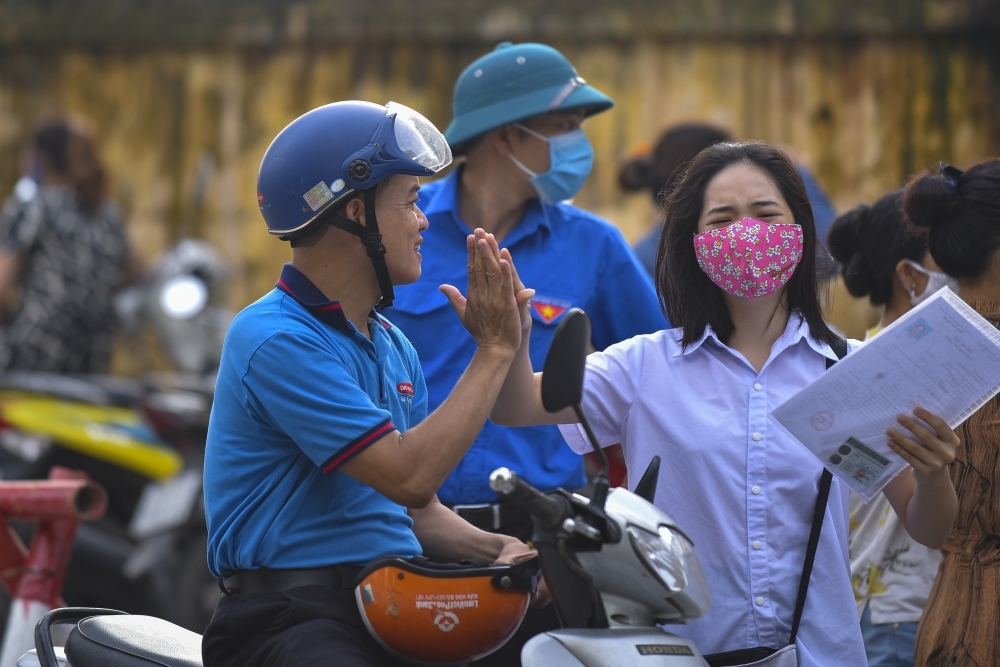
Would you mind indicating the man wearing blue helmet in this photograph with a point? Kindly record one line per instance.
(319, 457)
(517, 121)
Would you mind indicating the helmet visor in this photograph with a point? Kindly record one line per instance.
(419, 139)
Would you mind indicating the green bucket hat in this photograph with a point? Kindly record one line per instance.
(515, 82)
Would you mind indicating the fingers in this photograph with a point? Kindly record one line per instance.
(490, 259)
(927, 451)
(918, 456)
(456, 299)
(470, 243)
(944, 432)
(506, 277)
(518, 285)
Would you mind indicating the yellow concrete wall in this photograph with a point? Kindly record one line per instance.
(864, 113)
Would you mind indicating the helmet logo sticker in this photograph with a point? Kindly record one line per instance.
(320, 194)
(260, 197)
(337, 185)
(446, 621)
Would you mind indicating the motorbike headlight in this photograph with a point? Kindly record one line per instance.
(182, 297)
(662, 555)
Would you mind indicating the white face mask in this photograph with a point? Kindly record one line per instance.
(935, 281)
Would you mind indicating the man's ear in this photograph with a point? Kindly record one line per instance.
(501, 139)
(354, 210)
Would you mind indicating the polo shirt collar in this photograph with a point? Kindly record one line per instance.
(295, 284)
(796, 329)
(445, 200)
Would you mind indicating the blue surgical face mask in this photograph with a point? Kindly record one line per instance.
(570, 160)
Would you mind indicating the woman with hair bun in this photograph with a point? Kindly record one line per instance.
(884, 258)
(961, 212)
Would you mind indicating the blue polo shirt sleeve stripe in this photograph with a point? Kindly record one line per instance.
(354, 448)
(314, 398)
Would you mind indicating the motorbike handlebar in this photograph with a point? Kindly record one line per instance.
(548, 510)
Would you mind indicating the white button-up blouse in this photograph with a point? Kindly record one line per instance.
(742, 490)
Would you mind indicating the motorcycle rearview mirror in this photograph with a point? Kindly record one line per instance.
(646, 488)
(562, 384)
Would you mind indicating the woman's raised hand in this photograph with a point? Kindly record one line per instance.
(932, 447)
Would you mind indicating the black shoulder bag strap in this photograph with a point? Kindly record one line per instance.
(840, 349)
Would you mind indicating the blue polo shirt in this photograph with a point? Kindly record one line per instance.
(571, 258)
(300, 392)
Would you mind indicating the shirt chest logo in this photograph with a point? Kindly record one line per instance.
(547, 309)
(405, 388)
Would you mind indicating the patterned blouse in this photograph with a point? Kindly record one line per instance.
(71, 264)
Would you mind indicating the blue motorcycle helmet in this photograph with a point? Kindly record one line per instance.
(335, 152)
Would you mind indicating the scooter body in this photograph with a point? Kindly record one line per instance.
(610, 648)
(629, 595)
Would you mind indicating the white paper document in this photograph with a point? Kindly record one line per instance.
(942, 356)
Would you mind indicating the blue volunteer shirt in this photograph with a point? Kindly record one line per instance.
(300, 392)
(572, 259)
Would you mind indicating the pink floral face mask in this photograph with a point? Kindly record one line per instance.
(750, 258)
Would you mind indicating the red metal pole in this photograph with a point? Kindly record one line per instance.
(37, 579)
(13, 558)
(52, 499)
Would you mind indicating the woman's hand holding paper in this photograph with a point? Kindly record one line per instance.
(924, 497)
(932, 451)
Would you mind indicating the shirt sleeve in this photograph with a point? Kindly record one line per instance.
(609, 389)
(626, 303)
(315, 398)
(19, 225)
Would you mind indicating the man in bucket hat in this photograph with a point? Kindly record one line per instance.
(517, 121)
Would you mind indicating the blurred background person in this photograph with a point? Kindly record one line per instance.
(884, 258)
(517, 121)
(959, 625)
(63, 247)
(659, 171)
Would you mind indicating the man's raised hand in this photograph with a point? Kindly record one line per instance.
(490, 311)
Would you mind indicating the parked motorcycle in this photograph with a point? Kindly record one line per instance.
(616, 566)
(142, 440)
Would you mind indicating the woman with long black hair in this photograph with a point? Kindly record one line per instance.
(736, 271)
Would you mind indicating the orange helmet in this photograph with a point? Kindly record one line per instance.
(435, 614)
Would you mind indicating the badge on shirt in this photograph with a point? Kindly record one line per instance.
(405, 389)
(549, 310)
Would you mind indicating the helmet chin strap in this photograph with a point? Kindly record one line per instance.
(372, 240)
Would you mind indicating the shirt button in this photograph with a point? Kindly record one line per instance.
(756, 544)
(756, 437)
(755, 490)
(757, 386)
(760, 602)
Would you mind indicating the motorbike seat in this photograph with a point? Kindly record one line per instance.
(132, 641)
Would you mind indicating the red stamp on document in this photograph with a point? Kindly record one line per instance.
(822, 420)
(405, 388)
